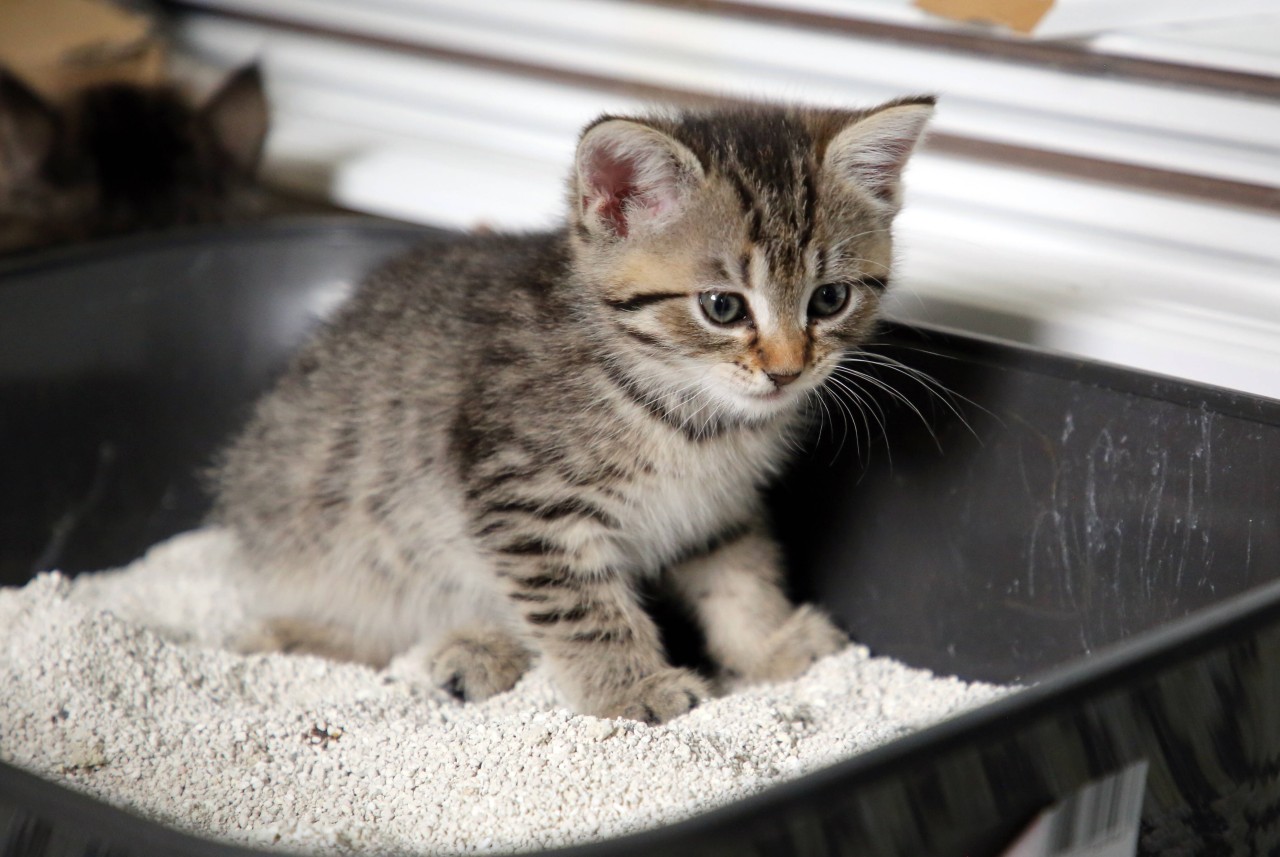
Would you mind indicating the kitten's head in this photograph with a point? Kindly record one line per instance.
(121, 157)
(741, 251)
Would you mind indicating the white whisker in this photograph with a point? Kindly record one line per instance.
(939, 390)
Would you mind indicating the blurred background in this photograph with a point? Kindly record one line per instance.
(1103, 177)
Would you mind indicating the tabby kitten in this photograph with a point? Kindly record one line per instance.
(500, 436)
(123, 157)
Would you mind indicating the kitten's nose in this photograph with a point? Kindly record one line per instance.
(782, 379)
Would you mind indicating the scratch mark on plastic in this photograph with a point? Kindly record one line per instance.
(61, 530)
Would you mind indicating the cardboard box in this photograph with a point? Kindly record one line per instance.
(1019, 15)
(58, 46)
(1064, 18)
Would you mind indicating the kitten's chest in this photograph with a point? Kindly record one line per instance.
(691, 493)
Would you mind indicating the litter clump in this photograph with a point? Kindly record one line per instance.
(117, 684)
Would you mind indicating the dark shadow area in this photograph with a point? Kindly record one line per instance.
(1020, 511)
(124, 369)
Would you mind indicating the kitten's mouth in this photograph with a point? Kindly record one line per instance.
(777, 394)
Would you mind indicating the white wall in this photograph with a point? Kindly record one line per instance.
(1166, 281)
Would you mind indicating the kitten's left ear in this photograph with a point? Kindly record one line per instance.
(872, 151)
(630, 177)
(28, 131)
(237, 113)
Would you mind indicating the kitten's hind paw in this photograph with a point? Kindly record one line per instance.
(475, 664)
(806, 636)
(659, 697)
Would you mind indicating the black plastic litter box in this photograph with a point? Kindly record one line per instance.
(1110, 537)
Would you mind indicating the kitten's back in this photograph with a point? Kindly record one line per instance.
(389, 372)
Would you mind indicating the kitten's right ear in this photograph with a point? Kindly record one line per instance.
(28, 129)
(237, 113)
(872, 151)
(629, 177)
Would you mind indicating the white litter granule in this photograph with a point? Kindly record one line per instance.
(114, 684)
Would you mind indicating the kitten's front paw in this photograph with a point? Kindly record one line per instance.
(473, 665)
(657, 698)
(806, 636)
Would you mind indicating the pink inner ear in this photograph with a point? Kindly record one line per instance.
(883, 173)
(612, 186)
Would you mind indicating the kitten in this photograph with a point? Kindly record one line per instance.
(122, 157)
(500, 436)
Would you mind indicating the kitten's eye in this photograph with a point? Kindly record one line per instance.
(828, 300)
(723, 307)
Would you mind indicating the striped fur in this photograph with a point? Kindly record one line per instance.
(500, 436)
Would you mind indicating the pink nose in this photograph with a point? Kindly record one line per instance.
(782, 379)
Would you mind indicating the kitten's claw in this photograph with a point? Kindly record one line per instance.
(790, 650)
(475, 664)
(659, 697)
(455, 688)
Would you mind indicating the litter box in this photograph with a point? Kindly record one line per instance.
(1108, 538)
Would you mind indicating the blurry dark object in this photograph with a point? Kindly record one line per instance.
(115, 158)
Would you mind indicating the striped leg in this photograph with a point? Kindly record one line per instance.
(600, 642)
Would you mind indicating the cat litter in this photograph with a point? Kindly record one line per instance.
(116, 685)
